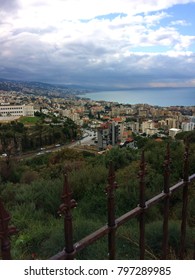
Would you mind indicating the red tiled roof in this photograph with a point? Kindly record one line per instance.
(104, 125)
(129, 139)
(158, 140)
(117, 119)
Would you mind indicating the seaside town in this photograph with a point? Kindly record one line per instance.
(97, 138)
(104, 124)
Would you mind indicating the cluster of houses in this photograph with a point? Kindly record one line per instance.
(114, 123)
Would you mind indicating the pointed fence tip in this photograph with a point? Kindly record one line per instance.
(111, 178)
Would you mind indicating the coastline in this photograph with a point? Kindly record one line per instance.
(163, 97)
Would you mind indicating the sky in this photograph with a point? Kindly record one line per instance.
(106, 43)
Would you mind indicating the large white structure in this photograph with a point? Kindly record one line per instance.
(16, 110)
(173, 132)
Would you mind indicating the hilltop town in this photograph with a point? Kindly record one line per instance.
(108, 123)
(48, 141)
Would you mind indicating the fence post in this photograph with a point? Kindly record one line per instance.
(194, 252)
(166, 165)
(185, 202)
(111, 212)
(142, 174)
(65, 209)
(5, 232)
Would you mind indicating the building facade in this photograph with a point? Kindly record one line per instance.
(187, 126)
(107, 134)
(16, 110)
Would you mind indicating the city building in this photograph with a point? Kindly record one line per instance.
(188, 126)
(107, 134)
(171, 122)
(133, 126)
(103, 136)
(148, 125)
(129, 142)
(16, 110)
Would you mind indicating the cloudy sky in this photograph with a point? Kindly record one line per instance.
(111, 43)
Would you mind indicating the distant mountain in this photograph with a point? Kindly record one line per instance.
(43, 84)
(41, 88)
(46, 85)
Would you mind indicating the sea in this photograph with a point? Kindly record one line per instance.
(162, 97)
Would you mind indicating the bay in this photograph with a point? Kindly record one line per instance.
(152, 96)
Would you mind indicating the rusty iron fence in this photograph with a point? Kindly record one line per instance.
(68, 203)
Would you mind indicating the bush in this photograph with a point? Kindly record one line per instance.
(154, 237)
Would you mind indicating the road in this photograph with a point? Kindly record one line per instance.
(88, 139)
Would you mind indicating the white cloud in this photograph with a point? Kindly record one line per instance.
(180, 22)
(66, 40)
(87, 9)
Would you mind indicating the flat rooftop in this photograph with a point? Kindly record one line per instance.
(9, 118)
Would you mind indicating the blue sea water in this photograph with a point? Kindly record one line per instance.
(152, 96)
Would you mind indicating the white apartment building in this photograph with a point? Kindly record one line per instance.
(188, 126)
(149, 128)
(120, 130)
(115, 111)
(142, 112)
(147, 125)
(75, 117)
(171, 122)
(16, 110)
(134, 126)
(162, 123)
(192, 119)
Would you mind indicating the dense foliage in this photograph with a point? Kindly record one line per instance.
(31, 190)
(31, 133)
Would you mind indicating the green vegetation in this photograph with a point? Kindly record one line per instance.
(31, 133)
(186, 135)
(29, 120)
(31, 190)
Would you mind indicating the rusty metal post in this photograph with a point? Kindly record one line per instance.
(5, 232)
(194, 252)
(185, 202)
(65, 209)
(142, 204)
(166, 165)
(111, 212)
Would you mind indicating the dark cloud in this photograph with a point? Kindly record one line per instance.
(87, 63)
(77, 71)
(38, 45)
(9, 5)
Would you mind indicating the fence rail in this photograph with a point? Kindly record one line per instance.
(71, 249)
